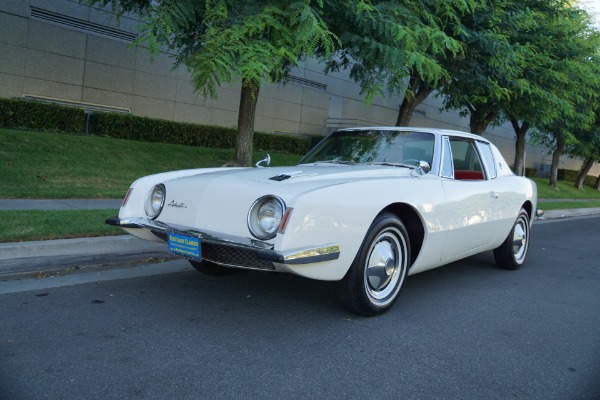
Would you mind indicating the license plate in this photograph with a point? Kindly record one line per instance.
(184, 245)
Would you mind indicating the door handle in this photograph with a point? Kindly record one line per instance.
(495, 195)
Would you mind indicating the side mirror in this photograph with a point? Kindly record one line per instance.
(422, 168)
(266, 160)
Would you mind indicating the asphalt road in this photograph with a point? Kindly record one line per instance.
(464, 331)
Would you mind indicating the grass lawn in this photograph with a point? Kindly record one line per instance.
(564, 190)
(18, 226)
(47, 165)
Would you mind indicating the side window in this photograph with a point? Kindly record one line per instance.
(488, 159)
(447, 170)
(467, 165)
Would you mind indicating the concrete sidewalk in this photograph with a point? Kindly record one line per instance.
(22, 258)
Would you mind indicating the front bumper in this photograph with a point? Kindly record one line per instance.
(234, 251)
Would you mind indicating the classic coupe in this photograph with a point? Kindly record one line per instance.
(365, 207)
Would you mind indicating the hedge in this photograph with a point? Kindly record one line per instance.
(570, 175)
(27, 114)
(530, 172)
(126, 126)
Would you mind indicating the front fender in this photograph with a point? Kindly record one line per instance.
(343, 214)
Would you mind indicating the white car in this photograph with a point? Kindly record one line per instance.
(365, 207)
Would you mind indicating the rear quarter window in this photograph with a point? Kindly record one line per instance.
(488, 159)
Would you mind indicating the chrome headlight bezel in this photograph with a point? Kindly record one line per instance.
(271, 210)
(153, 206)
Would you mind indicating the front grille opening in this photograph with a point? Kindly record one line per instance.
(234, 256)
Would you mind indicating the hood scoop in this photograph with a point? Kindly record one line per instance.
(280, 177)
(288, 175)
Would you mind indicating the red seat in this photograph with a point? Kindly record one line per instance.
(464, 175)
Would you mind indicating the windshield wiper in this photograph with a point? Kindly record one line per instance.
(391, 164)
(336, 162)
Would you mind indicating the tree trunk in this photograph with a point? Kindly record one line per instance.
(245, 130)
(597, 184)
(479, 122)
(521, 132)
(587, 166)
(416, 94)
(560, 148)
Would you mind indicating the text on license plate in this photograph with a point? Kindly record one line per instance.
(184, 245)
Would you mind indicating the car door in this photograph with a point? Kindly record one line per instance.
(469, 198)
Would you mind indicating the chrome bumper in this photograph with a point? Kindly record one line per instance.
(263, 251)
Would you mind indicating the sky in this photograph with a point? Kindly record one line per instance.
(594, 7)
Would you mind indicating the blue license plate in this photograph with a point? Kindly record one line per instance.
(184, 245)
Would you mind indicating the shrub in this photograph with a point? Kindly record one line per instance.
(19, 113)
(530, 172)
(125, 126)
(570, 175)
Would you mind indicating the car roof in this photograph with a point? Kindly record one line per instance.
(437, 131)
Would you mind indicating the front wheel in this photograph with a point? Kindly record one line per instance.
(511, 254)
(373, 282)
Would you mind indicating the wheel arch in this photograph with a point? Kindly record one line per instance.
(528, 206)
(414, 226)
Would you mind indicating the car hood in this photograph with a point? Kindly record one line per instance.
(287, 180)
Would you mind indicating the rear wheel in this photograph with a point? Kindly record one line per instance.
(376, 276)
(209, 268)
(511, 254)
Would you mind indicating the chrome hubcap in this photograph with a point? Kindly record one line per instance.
(520, 238)
(385, 265)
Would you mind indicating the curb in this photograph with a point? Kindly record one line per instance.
(24, 257)
(576, 212)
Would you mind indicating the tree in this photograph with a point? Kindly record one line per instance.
(488, 75)
(588, 149)
(579, 59)
(224, 40)
(448, 14)
(396, 46)
(552, 72)
(543, 97)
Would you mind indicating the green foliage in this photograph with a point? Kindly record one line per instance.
(282, 143)
(587, 145)
(125, 126)
(570, 175)
(489, 73)
(530, 172)
(18, 113)
(222, 40)
(383, 43)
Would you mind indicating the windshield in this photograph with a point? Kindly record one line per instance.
(385, 147)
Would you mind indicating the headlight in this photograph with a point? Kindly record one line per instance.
(265, 216)
(155, 200)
